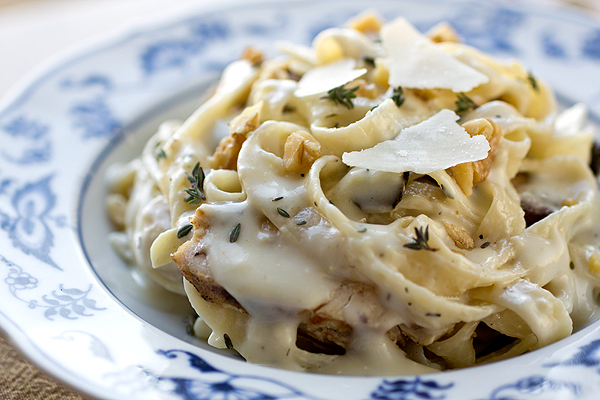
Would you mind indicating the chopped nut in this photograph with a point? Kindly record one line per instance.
(594, 263)
(569, 202)
(443, 32)
(247, 121)
(366, 22)
(472, 173)
(254, 56)
(366, 90)
(226, 154)
(460, 237)
(301, 150)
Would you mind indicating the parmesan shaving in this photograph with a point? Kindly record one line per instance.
(414, 61)
(435, 144)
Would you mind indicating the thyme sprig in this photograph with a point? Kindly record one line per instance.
(464, 103)
(195, 193)
(420, 242)
(341, 95)
(398, 96)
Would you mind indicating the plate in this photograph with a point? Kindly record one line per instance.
(77, 311)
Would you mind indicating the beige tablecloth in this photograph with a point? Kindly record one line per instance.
(19, 380)
(32, 31)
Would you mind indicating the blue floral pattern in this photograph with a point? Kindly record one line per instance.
(28, 223)
(535, 387)
(411, 389)
(175, 53)
(68, 303)
(213, 383)
(30, 138)
(93, 116)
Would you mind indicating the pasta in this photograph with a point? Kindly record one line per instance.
(384, 202)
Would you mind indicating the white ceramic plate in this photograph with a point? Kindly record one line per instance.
(78, 312)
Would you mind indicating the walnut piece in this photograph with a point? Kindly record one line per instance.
(459, 236)
(252, 55)
(301, 150)
(471, 173)
(443, 32)
(366, 22)
(226, 154)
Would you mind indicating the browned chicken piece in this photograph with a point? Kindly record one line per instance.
(323, 330)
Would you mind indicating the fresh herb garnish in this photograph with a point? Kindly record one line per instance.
(369, 60)
(228, 342)
(159, 153)
(235, 233)
(282, 212)
(184, 230)
(196, 194)
(362, 230)
(342, 96)
(398, 96)
(301, 223)
(431, 314)
(533, 82)
(484, 245)
(420, 240)
(189, 324)
(277, 198)
(464, 103)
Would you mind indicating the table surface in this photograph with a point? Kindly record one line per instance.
(31, 33)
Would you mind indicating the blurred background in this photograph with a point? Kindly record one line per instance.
(35, 32)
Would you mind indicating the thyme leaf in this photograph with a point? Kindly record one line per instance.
(282, 212)
(464, 103)
(342, 96)
(420, 240)
(235, 233)
(533, 82)
(228, 342)
(398, 96)
(159, 152)
(195, 193)
(184, 230)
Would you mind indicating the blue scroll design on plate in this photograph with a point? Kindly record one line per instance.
(214, 383)
(175, 53)
(488, 29)
(591, 46)
(411, 389)
(93, 116)
(27, 224)
(68, 303)
(29, 141)
(535, 387)
(587, 356)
